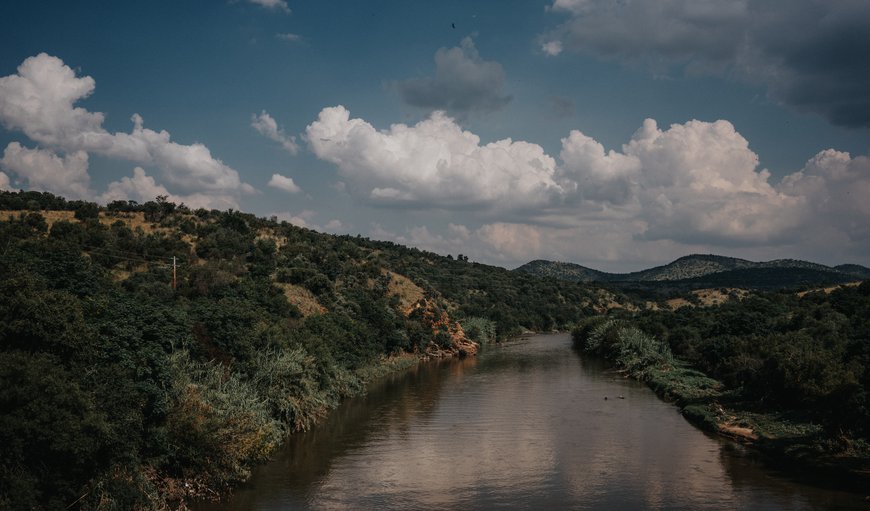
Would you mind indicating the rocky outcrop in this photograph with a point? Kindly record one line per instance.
(449, 339)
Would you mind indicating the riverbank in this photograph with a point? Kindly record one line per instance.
(786, 436)
(173, 493)
(706, 403)
(166, 491)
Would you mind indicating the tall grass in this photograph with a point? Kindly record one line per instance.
(218, 425)
(639, 352)
(479, 330)
(288, 382)
(626, 345)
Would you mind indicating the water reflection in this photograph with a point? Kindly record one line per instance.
(524, 425)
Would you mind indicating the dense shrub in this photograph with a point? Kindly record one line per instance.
(289, 383)
(218, 424)
(480, 330)
(809, 353)
(628, 346)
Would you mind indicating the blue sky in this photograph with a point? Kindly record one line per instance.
(392, 120)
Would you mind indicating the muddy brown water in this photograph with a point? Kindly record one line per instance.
(523, 426)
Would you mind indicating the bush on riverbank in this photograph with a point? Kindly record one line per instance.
(629, 347)
(479, 330)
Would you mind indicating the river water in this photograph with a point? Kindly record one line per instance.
(525, 425)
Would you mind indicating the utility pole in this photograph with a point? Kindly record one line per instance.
(173, 273)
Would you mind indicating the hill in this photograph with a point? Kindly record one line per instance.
(697, 271)
(854, 269)
(564, 271)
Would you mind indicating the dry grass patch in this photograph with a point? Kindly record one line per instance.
(676, 303)
(131, 219)
(269, 234)
(828, 290)
(708, 297)
(648, 305)
(403, 287)
(302, 298)
(122, 272)
(120, 275)
(51, 217)
(605, 301)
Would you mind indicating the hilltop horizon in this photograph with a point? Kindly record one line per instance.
(654, 264)
(638, 268)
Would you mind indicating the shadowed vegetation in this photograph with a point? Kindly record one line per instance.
(790, 372)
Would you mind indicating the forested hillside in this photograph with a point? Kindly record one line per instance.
(120, 391)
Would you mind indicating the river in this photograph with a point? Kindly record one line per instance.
(525, 425)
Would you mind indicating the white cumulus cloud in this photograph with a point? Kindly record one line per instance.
(276, 5)
(334, 225)
(552, 48)
(572, 6)
(512, 241)
(266, 125)
(39, 100)
(143, 188)
(699, 181)
(45, 170)
(836, 187)
(284, 183)
(302, 219)
(458, 239)
(692, 181)
(695, 186)
(589, 171)
(434, 163)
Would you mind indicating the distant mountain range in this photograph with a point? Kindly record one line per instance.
(700, 270)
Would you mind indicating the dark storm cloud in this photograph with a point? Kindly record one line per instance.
(810, 54)
(463, 83)
(827, 72)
